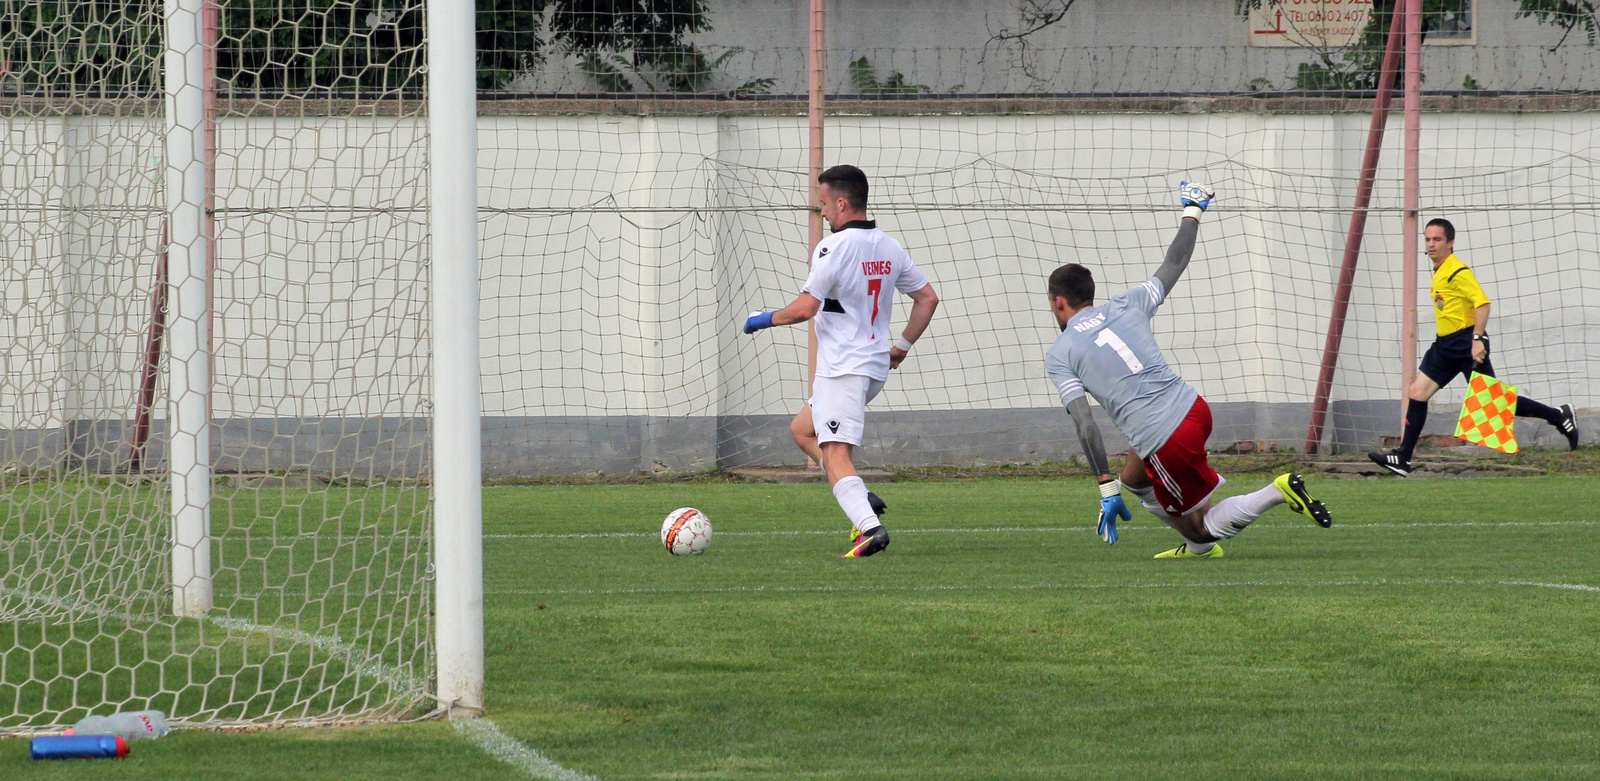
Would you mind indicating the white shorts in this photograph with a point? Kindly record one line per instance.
(839, 406)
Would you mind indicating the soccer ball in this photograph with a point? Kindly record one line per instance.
(686, 532)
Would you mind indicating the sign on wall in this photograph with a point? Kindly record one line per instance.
(1316, 23)
(1327, 24)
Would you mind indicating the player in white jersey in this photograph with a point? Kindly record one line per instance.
(1110, 353)
(850, 293)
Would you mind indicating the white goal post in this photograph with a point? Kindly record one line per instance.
(457, 452)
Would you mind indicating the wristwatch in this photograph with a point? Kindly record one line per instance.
(1480, 337)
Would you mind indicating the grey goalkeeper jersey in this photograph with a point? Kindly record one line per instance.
(1109, 353)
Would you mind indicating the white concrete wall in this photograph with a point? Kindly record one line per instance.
(621, 253)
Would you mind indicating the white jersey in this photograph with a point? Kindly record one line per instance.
(853, 272)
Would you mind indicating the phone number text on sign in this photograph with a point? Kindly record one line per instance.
(1319, 23)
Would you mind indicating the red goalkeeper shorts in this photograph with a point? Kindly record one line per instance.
(1184, 481)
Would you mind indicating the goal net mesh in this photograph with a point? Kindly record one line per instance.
(319, 523)
(637, 208)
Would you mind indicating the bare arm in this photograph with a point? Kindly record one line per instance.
(1178, 255)
(804, 307)
(1094, 446)
(923, 303)
(1480, 326)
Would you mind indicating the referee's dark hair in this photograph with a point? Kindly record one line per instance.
(1074, 283)
(848, 181)
(1449, 230)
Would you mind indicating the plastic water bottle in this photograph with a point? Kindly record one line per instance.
(79, 747)
(130, 726)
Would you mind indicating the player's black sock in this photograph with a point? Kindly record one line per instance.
(1528, 408)
(1416, 415)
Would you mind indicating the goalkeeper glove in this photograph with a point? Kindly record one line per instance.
(757, 321)
(1111, 508)
(1195, 198)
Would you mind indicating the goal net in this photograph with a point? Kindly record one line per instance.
(638, 208)
(316, 392)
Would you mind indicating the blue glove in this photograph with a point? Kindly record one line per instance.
(757, 321)
(1194, 195)
(1111, 508)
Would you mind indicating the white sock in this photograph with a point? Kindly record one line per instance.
(1232, 514)
(852, 495)
(1198, 548)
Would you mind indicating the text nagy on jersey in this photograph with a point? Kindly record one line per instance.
(1091, 323)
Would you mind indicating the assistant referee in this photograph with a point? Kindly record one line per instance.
(1461, 348)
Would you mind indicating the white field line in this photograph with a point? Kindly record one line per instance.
(1568, 586)
(486, 736)
(967, 587)
(1087, 527)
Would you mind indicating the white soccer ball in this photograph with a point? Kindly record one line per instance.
(686, 532)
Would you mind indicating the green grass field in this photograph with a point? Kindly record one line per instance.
(1440, 629)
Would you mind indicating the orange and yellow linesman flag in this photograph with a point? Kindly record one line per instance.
(1487, 413)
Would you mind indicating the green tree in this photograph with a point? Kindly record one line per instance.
(95, 47)
(622, 43)
(343, 47)
(1566, 14)
(321, 47)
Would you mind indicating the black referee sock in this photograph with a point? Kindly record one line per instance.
(1528, 408)
(1416, 415)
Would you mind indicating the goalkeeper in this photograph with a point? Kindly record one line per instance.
(1462, 347)
(1109, 352)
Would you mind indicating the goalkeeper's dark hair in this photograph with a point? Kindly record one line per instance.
(1074, 283)
(848, 181)
(1449, 230)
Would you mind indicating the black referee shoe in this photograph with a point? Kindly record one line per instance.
(1569, 426)
(879, 507)
(1392, 461)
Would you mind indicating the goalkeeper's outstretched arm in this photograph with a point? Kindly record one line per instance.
(1094, 445)
(1178, 255)
(1195, 198)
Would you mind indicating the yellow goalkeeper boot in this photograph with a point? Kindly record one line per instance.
(1182, 552)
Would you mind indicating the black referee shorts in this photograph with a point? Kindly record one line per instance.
(1450, 355)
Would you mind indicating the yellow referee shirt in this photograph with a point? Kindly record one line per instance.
(1455, 294)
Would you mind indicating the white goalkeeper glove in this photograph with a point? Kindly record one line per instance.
(1195, 197)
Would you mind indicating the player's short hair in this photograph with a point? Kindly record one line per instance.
(849, 181)
(1449, 230)
(1074, 283)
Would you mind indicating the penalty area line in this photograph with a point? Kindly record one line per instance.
(967, 587)
(1035, 529)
